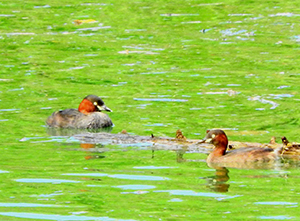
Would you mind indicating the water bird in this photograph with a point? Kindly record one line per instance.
(285, 141)
(180, 136)
(273, 140)
(249, 157)
(87, 116)
(290, 148)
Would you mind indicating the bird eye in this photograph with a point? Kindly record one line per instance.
(95, 103)
(213, 135)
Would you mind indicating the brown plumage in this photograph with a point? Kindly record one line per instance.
(250, 157)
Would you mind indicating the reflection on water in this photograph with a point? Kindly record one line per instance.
(283, 86)
(275, 217)
(70, 132)
(92, 4)
(9, 110)
(138, 177)
(16, 89)
(286, 14)
(92, 148)
(38, 180)
(175, 200)
(160, 99)
(280, 96)
(264, 101)
(120, 176)
(240, 15)
(276, 203)
(126, 140)
(28, 205)
(93, 28)
(172, 14)
(153, 167)
(193, 193)
(232, 31)
(4, 15)
(60, 139)
(96, 185)
(155, 125)
(191, 22)
(57, 217)
(137, 52)
(56, 193)
(139, 192)
(136, 145)
(18, 33)
(3, 171)
(156, 72)
(135, 187)
(43, 6)
(87, 145)
(179, 155)
(217, 183)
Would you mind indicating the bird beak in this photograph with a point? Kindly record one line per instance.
(104, 108)
(205, 140)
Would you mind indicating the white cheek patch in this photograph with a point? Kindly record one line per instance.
(95, 103)
(213, 135)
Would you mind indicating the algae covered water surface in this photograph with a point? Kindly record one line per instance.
(160, 66)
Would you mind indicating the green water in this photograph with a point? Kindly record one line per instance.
(160, 66)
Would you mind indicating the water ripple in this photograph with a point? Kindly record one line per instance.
(193, 193)
(28, 205)
(9, 109)
(275, 217)
(120, 176)
(138, 177)
(154, 167)
(43, 6)
(135, 187)
(39, 180)
(57, 217)
(264, 101)
(160, 99)
(3, 171)
(275, 203)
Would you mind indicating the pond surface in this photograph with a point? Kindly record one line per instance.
(161, 66)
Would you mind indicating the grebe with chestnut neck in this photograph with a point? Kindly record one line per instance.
(248, 157)
(87, 116)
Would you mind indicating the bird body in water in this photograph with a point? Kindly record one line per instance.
(87, 116)
(250, 157)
